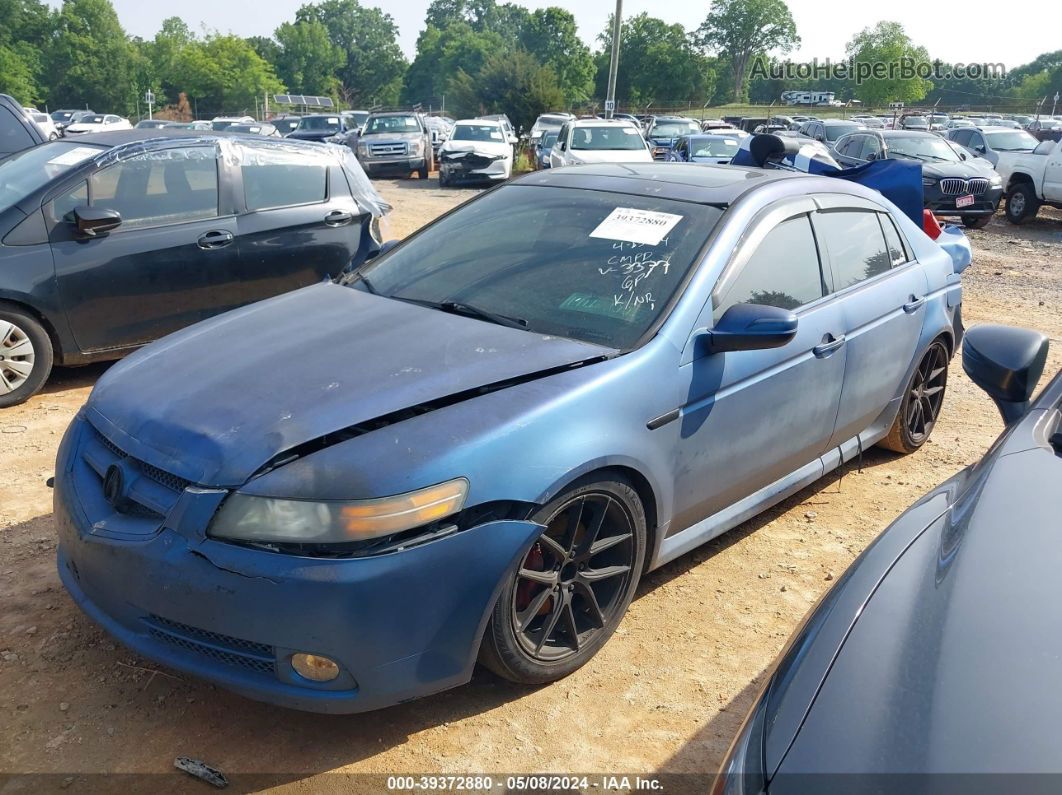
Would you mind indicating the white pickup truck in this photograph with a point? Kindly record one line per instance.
(1031, 179)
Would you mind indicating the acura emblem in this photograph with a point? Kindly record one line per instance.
(113, 485)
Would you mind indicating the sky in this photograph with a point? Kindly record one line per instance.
(953, 33)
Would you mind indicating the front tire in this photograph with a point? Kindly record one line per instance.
(1022, 203)
(25, 356)
(921, 402)
(568, 593)
(976, 221)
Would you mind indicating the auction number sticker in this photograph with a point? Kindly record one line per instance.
(72, 157)
(636, 226)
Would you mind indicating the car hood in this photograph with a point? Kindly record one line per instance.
(312, 135)
(492, 148)
(217, 401)
(86, 127)
(952, 665)
(611, 155)
(966, 170)
(375, 138)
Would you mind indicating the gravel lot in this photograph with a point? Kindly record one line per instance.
(663, 697)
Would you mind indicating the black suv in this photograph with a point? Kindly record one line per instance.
(112, 240)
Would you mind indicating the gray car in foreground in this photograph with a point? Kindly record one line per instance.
(934, 663)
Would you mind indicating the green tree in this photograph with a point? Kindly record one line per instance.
(90, 61)
(268, 49)
(741, 29)
(24, 32)
(441, 53)
(658, 63)
(307, 59)
(17, 74)
(887, 43)
(223, 74)
(511, 82)
(372, 66)
(551, 36)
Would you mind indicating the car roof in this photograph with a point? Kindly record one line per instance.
(121, 137)
(906, 134)
(999, 128)
(601, 122)
(829, 122)
(716, 185)
(479, 120)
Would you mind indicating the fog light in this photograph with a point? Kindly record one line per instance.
(314, 667)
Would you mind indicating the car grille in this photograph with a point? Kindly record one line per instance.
(955, 186)
(150, 496)
(388, 150)
(225, 649)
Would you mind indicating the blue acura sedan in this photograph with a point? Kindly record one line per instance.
(475, 446)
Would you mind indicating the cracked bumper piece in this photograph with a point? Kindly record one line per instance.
(472, 165)
(400, 625)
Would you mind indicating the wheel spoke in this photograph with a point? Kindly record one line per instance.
(527, 615)
(932, 390)
(6, 330)
(543, 577)
(569, 619)
(596, 575)
(594, 528)
(5, 385)
(608, 542)
(21, 348)
(550, 625)
(573, 524)
(593, 608)
(555, 548)
(928, 412)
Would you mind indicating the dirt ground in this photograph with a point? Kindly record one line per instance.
(664, 697)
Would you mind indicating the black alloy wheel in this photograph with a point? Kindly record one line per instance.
(920, 407)
(569, 591)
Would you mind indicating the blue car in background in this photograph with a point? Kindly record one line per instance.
(664, 131)
(545, 143)
(717, 149)
(474, 446)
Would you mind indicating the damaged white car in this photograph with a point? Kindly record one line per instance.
(477, 149)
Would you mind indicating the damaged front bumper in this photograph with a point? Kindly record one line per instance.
(471, 165)
(400, 625)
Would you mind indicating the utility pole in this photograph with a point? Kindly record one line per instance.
(613, 65)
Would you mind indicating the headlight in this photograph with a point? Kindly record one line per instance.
(363, 149)
(416, 147)
(928, 182)
(996, 181)
(247, 518)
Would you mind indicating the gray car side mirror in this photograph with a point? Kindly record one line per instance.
(96, 221)
(751, 327)
(1006, 362)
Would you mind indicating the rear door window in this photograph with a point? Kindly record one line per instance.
(856, 245)
(13, 135)
(285, 181)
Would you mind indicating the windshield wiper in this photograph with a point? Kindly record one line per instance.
(460, 308)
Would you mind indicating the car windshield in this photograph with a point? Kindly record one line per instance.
(548, 139)
(1016, 141)
(477, 132)
(612, 137)
(318, 123)
(287, 125)
(926, 148)
(915, 121)
(245, 128)
(63, 115)
(91, 120)
(835, 131)
(673, 129)
(959, 123)
(570, 268)
(713, 147)
(221, 125)
(550, 122)
(25, 171)
(937, 119)
(393, 124)
(360, 117)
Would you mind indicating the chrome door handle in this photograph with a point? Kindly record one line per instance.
(216, 238)
(338, 218)
(827, 347)
(913, 304)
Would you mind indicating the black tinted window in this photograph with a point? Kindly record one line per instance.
(784, 271)
(897, 250)
(856, 245)
(283, 184)
(13, 136)
(162, 187)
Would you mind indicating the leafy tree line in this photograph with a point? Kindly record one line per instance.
(474, 56)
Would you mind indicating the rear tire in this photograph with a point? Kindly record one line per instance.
(1022, 203)
(569, 592)
(25, 356)
(976, 221)
(921, 402)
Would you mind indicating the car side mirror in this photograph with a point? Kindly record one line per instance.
(979, 149)
(962, 155)
(1006, 362)
(383, 249)
(872, 155)
(96, 221)
(751, 327)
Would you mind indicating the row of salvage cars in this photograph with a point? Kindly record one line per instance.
(473, 403)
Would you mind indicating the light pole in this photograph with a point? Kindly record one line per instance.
(613, 65)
